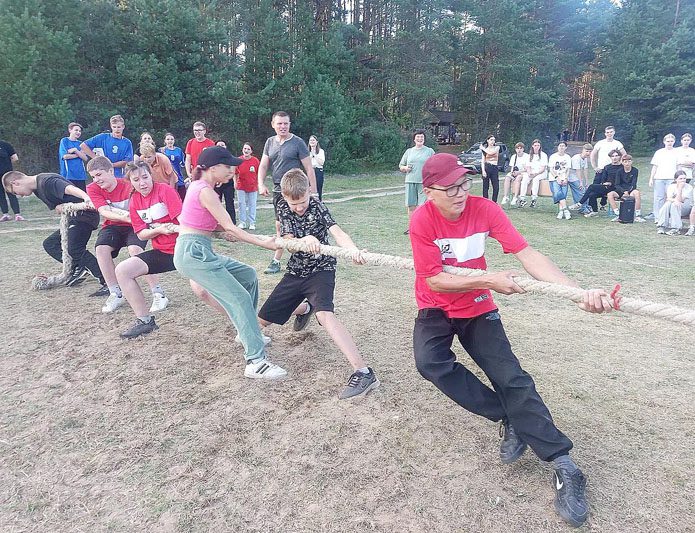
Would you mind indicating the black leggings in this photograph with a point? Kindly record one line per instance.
(595, 191)
(493, 176)
(13, 202)
(318, 172)
(514, 395)
(226, 191)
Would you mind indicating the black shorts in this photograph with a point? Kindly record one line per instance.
(117, 237)
(277, 196)
(292, 290)
(157, 261)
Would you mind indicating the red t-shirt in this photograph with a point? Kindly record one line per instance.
(437, 241)
(119, 197)
(194, 147)
(247, 174)
(162, 205)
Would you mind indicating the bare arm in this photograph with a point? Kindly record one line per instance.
(115, 214)
(593, 158)
(262, 171)
(76, 191)
(188, 166)
(87, 150)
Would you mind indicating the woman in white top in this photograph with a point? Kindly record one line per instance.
(318, 158)
(685, 160)
(663, 167)
(536, 171)
(678, 203)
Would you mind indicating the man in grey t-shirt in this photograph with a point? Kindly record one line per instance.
(282, 152)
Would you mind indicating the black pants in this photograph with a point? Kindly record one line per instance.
(595, 191)
(226, 192)
(514, 395)
(318, 172)
(598, 179)
(79, 233)
(493, 176)
(13, 202)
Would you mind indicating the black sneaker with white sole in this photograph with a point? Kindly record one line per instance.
(77, 276)
(302, 321)
(140, 328)
(359, 384)
(511, 447)
(101, 291)
(570, 500)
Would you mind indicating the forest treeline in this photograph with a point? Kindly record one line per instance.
(360, 74)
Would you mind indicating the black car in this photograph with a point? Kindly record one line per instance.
(471, 157)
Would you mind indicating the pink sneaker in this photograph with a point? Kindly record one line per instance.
(19, 218)
(5, 218)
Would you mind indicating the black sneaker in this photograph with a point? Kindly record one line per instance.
(359, 384)
(534, 203)
(511, 447)
(570, 500)
(102, 291)
(77, 276)
(140, 328)
(302, 321)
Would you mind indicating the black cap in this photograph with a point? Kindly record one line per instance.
(216, 155)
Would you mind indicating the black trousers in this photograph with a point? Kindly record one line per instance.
(318, 172)
(226, 192)
(493, 176)
(595, 191)
(79, 233)
(514, 396)
(14, 203)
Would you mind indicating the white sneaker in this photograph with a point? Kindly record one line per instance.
(575, 207)
(266, 340)
(615, 219)
(560, 214)
(567, 214)
(691, 231)
(505, 200)
(252, 227)
(264, 369)
(113, 302)
(159, 302)
(241, 225)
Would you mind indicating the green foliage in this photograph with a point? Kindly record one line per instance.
(642, 141)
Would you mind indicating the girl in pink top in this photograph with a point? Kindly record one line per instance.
(225, 284)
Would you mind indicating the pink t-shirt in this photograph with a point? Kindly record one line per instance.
(437, 242)
(193, 214)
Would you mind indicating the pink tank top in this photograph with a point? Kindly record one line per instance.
(193, 214)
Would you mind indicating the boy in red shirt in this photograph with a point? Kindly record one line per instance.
(196, 145)
(154, 208)
(450, 229)
(111, 198)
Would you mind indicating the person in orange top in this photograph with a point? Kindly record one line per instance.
(162, 171)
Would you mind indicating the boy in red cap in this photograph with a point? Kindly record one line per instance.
(450, 229)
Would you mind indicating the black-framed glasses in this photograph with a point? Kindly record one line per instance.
(454, 189)
(198, 131)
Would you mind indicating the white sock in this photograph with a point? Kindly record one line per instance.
(116, 290)
(363, 370)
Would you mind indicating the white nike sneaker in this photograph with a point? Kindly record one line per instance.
(567, 214)
(266, 340)
(241, 225)
(264, 369)
(113, 302)
(559, 214)
(159, 302)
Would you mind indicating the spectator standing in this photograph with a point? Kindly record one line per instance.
(685, 159)
(226, 190)
(8, 156)
(160, 167)
(196, 145)
(318, 159)
(71, 158)
(411, 165)
(176, 158)
(113, 145)
(600, 155)
(247, 187)
(559, 165)
(664, 164)
(490, 153)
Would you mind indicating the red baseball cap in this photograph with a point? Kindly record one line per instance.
(443, 170)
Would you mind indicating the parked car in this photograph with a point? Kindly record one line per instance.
(471, 157)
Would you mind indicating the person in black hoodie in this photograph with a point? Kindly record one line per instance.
(625, 187)
(604, 183)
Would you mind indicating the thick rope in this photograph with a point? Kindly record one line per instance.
(43, 282)
(628, 305)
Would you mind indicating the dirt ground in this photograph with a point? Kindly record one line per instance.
(164, 433)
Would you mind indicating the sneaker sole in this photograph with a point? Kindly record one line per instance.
(574, 522)
(362, 394)
(515, 456)
(264, 376)
(155, 328)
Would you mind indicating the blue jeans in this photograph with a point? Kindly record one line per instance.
(559, 191)
(577, 190)
(247, 206)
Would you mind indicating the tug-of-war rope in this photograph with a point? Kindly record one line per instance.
(633, 306)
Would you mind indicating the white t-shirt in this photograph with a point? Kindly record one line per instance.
(671, 192)
(520, 161)
(535, 164)
(603, 148)
(579, 163)
(565, 162)
(665, 162)
(685, 158)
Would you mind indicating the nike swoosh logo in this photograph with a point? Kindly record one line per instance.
(558, 484)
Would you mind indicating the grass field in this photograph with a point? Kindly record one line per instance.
(164, 433)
